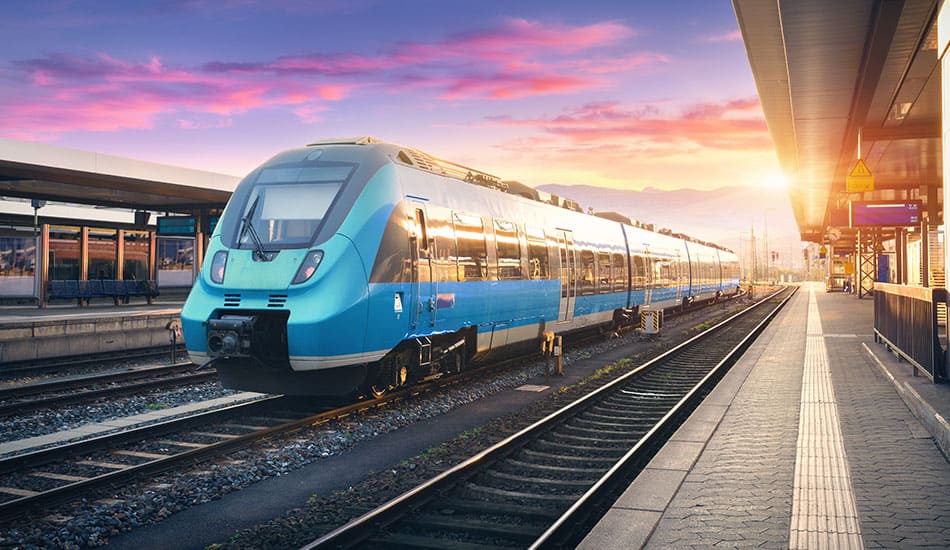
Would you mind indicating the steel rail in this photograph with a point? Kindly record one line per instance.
(18, 507)
(14, 508)
(69, 382)
(560, 530)
(38, 366)
(21, 506)
(361, 528)
(155, 377)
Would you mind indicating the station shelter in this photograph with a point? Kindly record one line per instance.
(71, 215)
(852, 93)
(858, 107)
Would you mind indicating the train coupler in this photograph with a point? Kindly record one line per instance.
(231, 336)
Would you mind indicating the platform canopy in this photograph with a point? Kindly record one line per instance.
(829, 70)
(41, 171)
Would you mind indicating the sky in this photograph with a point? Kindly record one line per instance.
(623, 94)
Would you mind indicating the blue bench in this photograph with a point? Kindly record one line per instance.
(63, 289)
(149, 289)
(100, 288)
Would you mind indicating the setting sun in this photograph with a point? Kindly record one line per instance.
(775, 180)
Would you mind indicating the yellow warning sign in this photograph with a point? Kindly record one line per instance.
(860, 178)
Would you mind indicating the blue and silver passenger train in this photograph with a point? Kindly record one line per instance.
(351, 267)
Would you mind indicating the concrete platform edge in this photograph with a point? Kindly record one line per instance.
(933, 421)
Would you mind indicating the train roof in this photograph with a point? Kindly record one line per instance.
(424, 161)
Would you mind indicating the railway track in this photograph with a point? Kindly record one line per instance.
(50, 476)
(25, 398)
(546, 485)
(44, 478)
(57, 364)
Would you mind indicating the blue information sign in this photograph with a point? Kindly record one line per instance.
(176, 225)
(885, 213)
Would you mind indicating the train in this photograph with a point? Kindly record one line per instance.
(351, 267)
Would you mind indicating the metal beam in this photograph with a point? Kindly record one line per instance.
(902, 132)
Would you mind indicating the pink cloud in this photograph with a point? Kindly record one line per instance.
(516, 59)
(510, 86)
(107, 94)
(732, 36)
(514, 41)
(195, 124)
(619, 64)
(735, 124)
(310, 115)
(519, 38)
(334, 92)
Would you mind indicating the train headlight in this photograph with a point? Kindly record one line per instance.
(308, 267)
(218, 264)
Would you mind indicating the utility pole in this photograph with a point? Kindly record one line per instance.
(768, 253)
(752, 247)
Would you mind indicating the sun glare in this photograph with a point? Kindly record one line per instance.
(775, 180)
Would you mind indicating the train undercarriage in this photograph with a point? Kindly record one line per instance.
(249, 350)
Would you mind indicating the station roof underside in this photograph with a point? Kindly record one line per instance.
(825, 70)
(46, 172)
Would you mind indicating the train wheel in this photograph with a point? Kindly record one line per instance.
(388, 377)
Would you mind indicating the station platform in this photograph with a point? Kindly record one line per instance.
(30, 333)
(817, 438)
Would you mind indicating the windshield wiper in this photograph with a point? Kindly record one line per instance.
(247, 228)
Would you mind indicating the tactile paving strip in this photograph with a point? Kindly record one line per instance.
(824, 514)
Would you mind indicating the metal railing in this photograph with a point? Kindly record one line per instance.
(905, 319)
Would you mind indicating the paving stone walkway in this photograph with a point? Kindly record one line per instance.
(739, 493)
(901, 479)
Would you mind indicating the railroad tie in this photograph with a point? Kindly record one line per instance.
(17, 492)
(60, 477)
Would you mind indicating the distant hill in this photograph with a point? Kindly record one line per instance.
(723, 216)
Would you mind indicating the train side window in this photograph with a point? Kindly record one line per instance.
(538, 262)
(603, 272)
(563, 251)
(639, 273)
(472, 251)
(508, 247)
(422, 233)
(585, 273)
(618, 272)
(444, 254)
(663, 274)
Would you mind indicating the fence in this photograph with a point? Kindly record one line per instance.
(905, 319)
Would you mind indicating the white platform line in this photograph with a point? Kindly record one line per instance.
(824, 514)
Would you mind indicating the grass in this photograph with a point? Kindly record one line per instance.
(623, 363)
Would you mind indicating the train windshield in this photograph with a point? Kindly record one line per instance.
(285, 207)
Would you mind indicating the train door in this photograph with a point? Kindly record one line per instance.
(423, 287)
(679, 277)
(648, 277)
(568, 267)
(688, 275)
(628, 259)
(722, 273)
